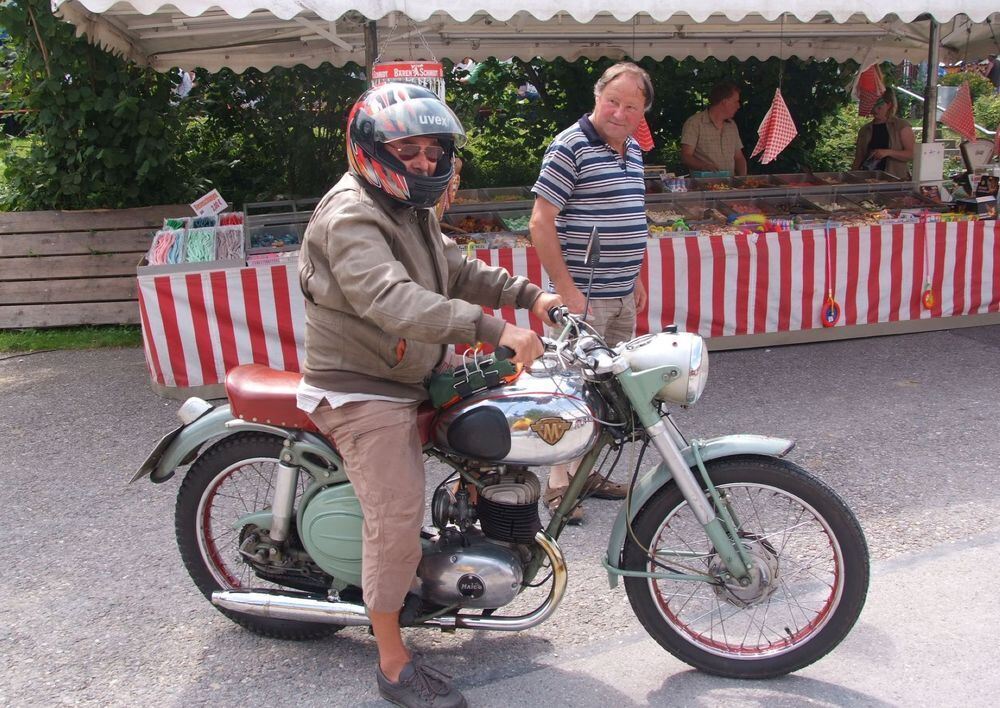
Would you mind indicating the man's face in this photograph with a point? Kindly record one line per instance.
(419, 155)
(731, 105)
(619, 109)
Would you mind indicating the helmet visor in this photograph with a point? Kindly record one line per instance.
(417, 116)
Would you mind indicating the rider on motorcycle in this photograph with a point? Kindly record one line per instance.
(385, 294)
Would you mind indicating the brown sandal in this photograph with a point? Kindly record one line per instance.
(553, 498)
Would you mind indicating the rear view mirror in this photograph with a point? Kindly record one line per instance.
(593, 255)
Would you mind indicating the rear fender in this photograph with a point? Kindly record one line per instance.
(650, 483)
(186, 443)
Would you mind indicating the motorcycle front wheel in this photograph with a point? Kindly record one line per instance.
(234, 478)
(807, 586)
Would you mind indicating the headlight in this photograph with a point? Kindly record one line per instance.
(684, 351)
(698, 374)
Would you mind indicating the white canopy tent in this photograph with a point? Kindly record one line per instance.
(240, 34)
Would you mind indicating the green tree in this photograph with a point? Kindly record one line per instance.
(508, 136)
(104, 133)
(273, 135)
(979, 85)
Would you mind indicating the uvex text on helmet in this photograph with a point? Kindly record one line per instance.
(393, 111)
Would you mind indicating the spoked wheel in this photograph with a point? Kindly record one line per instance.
(807, 585)
(231, 480)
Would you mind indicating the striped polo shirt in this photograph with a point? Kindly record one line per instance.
(595, 186)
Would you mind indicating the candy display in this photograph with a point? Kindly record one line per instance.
(516, 222)
(198, 239)
(725, 206)
(663, 216)
(474, 224)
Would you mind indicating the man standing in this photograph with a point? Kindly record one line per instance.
(385, 293)
(592, 175)
(710, 140)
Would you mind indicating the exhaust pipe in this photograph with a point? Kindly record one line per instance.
(312, 608)
(301, 608)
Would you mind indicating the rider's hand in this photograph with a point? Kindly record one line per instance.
(525, 343)
(542, 305)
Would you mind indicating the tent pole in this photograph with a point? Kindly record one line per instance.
(930, 96)
(371, 47)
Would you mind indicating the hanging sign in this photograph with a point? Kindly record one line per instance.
(429, 74)
(212, 203)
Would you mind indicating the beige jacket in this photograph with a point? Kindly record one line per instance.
(897, 168)
(375, 272)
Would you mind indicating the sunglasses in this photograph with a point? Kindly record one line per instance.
(409, 151)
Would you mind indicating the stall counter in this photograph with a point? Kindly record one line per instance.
(196, 326)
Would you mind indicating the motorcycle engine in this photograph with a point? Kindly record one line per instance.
(481, 567)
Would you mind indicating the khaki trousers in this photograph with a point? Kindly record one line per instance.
(381, 448)
(614, 319)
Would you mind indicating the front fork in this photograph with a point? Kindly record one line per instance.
(720, 528)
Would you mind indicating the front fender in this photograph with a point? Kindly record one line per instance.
(187, 441)
(649, 483)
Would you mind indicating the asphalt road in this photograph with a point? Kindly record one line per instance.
(99, 610)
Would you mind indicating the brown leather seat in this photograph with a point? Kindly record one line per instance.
(262, 395)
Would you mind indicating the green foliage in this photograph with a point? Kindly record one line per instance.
(987, 110)
(87, 337)
(835, 153)
(238, 124)
(979, 85)
(105, 134)
(508, 136)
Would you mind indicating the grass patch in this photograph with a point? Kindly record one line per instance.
(88, 337)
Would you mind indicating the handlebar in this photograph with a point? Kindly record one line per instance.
(558, 314)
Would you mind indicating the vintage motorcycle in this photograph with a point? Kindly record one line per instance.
(734, 559)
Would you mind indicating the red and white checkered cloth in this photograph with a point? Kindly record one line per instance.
(643, 136)
(868, 89)
(958, 116)
(776, 130)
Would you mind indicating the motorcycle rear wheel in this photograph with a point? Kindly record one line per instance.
(812, 565)
(233, 478)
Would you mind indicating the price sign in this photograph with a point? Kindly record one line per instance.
(212, 203)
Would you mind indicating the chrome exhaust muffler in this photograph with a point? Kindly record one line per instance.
(300, 608)
(311, 608)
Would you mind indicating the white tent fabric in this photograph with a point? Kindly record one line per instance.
(265, 33)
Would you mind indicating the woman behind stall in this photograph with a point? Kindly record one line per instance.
(887, 142)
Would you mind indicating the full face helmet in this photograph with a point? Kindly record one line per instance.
(393, 111)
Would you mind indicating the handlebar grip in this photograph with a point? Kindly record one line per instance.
(502, 353)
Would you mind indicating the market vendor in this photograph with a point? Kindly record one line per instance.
(710, 140)
(885, 144)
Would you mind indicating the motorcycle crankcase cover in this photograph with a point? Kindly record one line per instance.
(331, 532)
(470, 571)
(549, 418)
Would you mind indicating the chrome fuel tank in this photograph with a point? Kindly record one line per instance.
(541, 418)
